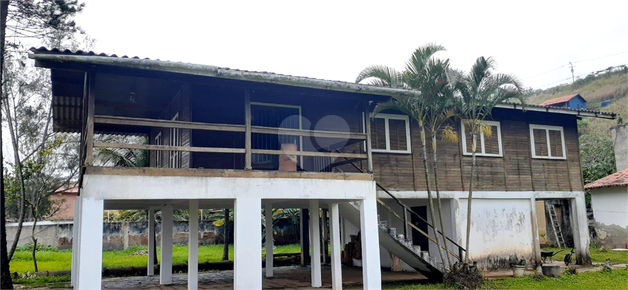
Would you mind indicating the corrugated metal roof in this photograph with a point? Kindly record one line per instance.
(43, 53)
(619, 178)
(559, 100)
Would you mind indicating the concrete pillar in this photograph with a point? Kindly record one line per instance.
(268, 214)
(165, 267)
(336, 247)
(536, 240)
(90, 245)
(371, 271)
(193, 246)
(580, 226)
(76, 227)
(315, 234)
(247, 242)
(150, 268)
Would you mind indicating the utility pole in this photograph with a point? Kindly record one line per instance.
(572, 77)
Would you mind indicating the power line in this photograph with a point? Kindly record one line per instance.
(571, 63)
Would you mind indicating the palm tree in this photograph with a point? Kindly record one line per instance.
(424, 74)
(481, 90)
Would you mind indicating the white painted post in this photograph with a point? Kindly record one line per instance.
(90, 247)
(268, 214)
(315, 237)
(165, 267)
(150, 268)
(371, 271)
(76, 226)
(334, 232)
(247, 243)
(193, 246)
(580, 226)
(536, 240)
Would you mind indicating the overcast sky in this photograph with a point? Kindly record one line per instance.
(534, 40)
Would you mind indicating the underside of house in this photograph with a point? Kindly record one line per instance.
(219, 138)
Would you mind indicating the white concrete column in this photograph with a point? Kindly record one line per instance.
(165, 267)
(193, 246)
(268, 214)
(150, 268)
(336, 247)
(247, 242)
(90, 247)
(76, 227)
(536, 240)
(371, 271)
(580, 227)
(315, 237)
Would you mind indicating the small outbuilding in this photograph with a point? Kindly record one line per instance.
(576, 102)
(609, 199)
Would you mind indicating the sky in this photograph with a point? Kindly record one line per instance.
(533, 40)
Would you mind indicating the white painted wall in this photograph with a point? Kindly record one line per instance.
(610, 205)
(500, 229)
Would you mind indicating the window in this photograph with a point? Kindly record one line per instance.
(390, 133)
(158, 153)
(175, 140)
(486, 145)
(547, 142)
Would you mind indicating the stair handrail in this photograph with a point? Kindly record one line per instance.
(407, 208)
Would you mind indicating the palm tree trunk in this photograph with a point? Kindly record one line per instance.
(429, 192)
(438, 200)
(470, 198)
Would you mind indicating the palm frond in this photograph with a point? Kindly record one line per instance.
(379, 75)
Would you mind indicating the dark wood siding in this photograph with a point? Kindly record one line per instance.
(515, 171)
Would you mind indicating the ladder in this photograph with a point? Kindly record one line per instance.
(560, 240)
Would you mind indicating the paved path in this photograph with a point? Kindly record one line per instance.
(292, 277)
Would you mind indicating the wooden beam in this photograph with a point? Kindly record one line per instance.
(168, 148)
(309, 153)
(308, 133)
(203, 172)
(89, 138)
(168, 124)
(247, 134)
(367, 127)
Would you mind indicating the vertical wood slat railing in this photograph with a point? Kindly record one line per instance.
(159, 123)
(407, 209)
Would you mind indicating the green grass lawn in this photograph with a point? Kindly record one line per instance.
(617, 279)
(597, 255)
(50, 259)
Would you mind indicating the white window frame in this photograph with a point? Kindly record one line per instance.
(547, 128)
(158, 156)
(387, 117)
(175, 140)
(482, 151)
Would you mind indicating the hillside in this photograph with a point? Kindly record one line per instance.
(608, 85)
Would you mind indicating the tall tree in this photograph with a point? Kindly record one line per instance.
(5, 271)
(481, 90)
(425, 74)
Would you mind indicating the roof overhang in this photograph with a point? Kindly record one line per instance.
(558, 110)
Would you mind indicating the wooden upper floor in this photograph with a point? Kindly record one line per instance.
(204, 117)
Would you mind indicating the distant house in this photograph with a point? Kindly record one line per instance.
(575, 102)
(609, 199)
(64, 198)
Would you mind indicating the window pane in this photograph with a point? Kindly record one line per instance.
(378, 134)
(398, 138)
(556, 143)
(540, 142)
(491, 143)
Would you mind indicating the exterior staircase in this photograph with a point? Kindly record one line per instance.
(420, 261)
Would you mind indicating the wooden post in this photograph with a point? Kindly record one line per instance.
(247, 132)
(89, 138)
(367, 127)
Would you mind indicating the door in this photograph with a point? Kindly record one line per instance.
(275, 116)
(419, 239)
